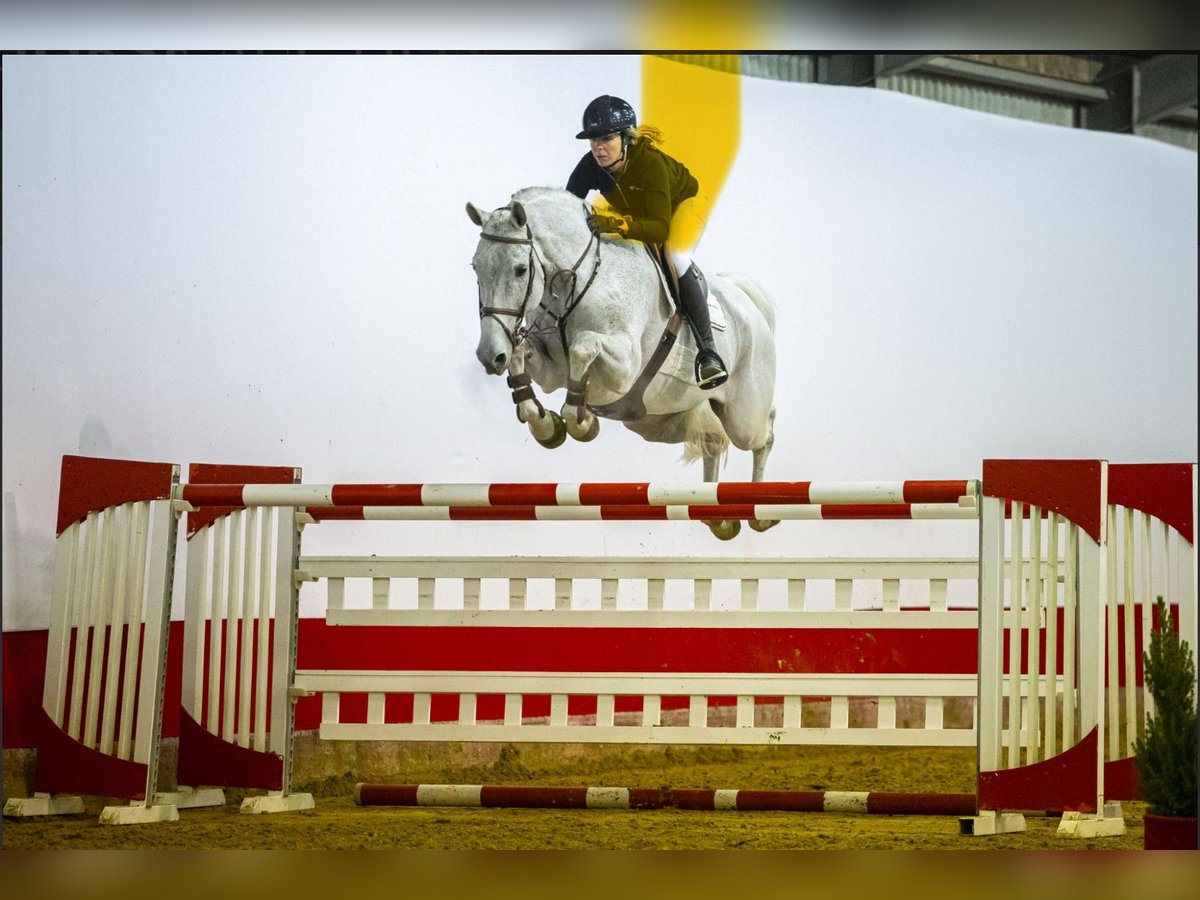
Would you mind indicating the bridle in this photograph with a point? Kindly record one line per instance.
(520, 329)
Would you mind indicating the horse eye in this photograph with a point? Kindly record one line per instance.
(521, 270)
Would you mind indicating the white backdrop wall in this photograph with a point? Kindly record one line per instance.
(265, 260)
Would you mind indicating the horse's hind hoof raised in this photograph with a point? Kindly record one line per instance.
(557, 436)
(763, 524)
(725, 529)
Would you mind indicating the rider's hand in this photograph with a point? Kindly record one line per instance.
(601, 223)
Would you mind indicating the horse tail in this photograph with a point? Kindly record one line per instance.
(756, 294)
(703, 434)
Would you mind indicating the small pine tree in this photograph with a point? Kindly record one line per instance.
(1166, 753)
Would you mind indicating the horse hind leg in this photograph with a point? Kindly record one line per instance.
(760, 455)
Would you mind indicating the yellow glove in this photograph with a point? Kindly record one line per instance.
(602, 223)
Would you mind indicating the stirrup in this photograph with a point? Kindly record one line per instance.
(710, 370)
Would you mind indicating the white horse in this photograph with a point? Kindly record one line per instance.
(567, 308)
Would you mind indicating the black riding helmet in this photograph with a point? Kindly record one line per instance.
(606, 115)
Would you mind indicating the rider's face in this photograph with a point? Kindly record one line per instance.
(606, 149)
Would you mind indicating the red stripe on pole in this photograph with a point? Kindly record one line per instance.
(335, 513)
(634, 494)
(692, 798)
(650, 798)
(725, 511)
(639, 513)
(533, 797)
(376, 495)
(213, 494)
(523, 494)
(764, 492)
(786, 801)
(909, 804)
(492, 513)
(866, 511)
(386, 794)
(934, 491)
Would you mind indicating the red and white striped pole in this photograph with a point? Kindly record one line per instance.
(542, 797)
(587, 494)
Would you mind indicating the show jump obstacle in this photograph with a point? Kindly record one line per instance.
(1072, 554)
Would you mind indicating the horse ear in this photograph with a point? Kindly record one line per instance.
(474, 215)
(518, 213)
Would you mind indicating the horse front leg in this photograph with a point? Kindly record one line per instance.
(724, 529)
(582, 424)
(760, 465)
(545, 425)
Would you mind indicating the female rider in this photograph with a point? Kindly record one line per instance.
(656, 197)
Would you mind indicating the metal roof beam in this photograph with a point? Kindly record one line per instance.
(1165, 85)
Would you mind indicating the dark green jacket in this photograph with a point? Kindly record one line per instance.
(648, 191)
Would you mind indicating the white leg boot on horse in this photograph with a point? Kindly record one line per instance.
(760, 464)
(545, 425)
(724, 529)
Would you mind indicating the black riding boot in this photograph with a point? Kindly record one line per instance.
(693, 297)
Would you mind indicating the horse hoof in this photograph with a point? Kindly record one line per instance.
(763, 524)
(593, 430)
(725, 529)
(557, 436)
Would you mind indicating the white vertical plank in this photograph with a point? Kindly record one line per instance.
(937, 594)
(216, 636)
(335, 593)
(331, 708)
(139, 541)
(516, 593)
(608, 593)
(426, 592)
(1033, 683)
(375, 707)
(83, 617)
(422, 708)
(839, 713)
(887, 713)
(1129, 619)
(935, 711)
(1050, 603)
(512, 709)
(562, 593)
(702, 593)
(558, 709)
(121, 619)
(792, 709)
(196, 591)
(655, 589)
(843, 591)
(380, 591)
(103, 615)
(745, 711)
(64, 612)
(467, 704)
(160, 571)
(1071, 638)
(471, 591)
(990, 700)
(749, 593)
(237, 531)
(891, 595)
(1015, 607)
(250, 581)
(698, 711)
(652, 710)
(262, 651)
(796, 591)
(606, 706)
(1110, 656)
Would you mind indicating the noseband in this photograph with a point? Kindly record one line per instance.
(520, 329)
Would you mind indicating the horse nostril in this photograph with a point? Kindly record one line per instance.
(501, 360)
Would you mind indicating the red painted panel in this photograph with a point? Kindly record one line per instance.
(89, 484)
(65, 766)
(1163, 490)
(1064, 782)
(1070, 487)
